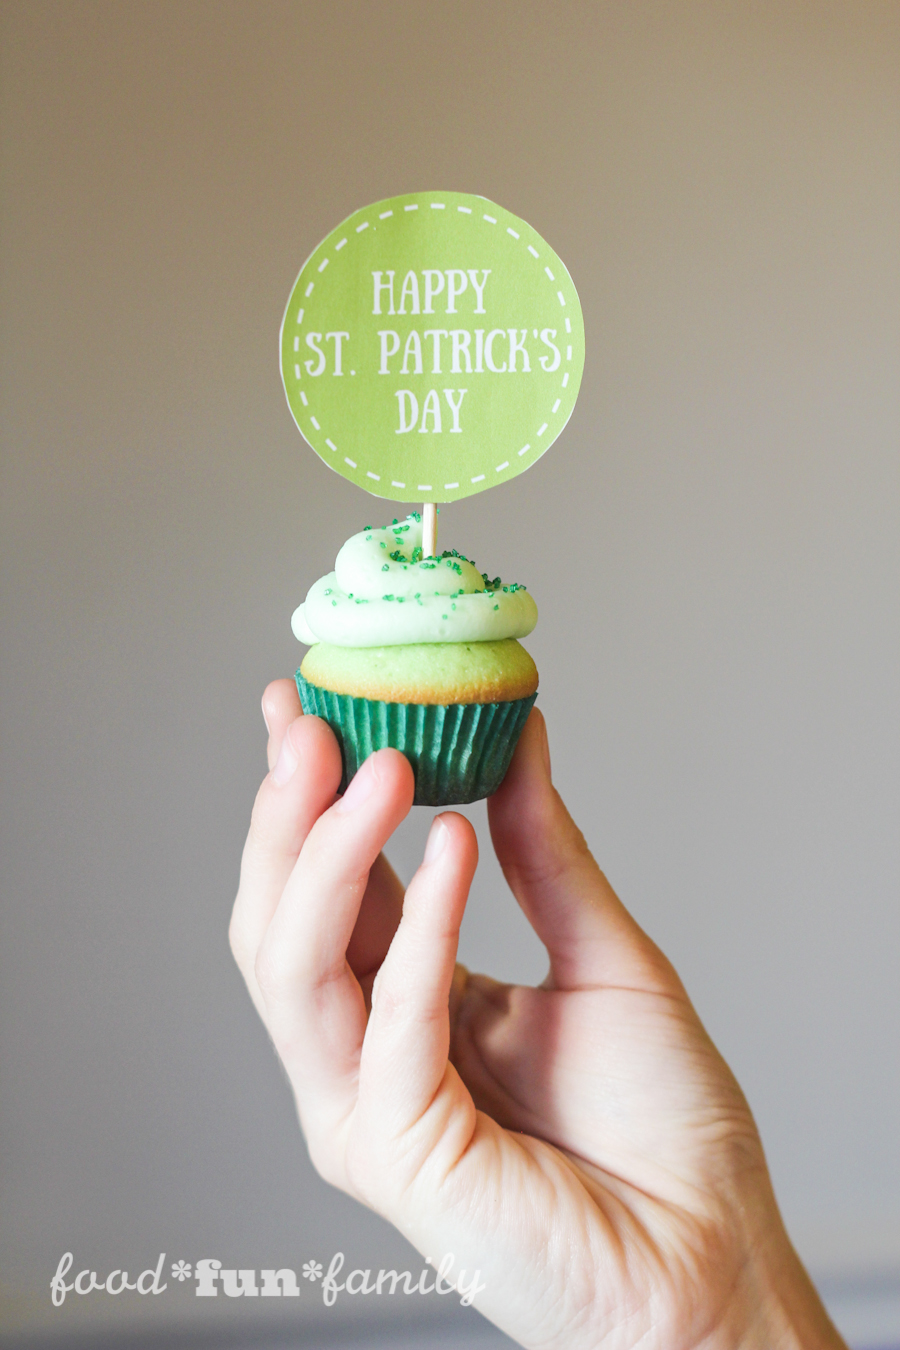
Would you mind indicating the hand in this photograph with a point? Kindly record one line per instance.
(582, 1144)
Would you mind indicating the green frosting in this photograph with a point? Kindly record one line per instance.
(383, 593)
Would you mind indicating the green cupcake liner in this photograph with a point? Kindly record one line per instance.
(459, 752)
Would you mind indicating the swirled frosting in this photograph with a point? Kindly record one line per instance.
(383, 593)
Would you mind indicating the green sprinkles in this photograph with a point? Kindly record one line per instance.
(450, 557)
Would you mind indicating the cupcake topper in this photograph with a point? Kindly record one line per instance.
(429, 530)
(432, 347)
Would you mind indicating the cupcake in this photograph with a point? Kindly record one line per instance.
(420, 654)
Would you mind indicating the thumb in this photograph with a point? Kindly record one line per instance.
(590, 937)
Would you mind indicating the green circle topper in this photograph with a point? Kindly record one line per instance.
(432, 347)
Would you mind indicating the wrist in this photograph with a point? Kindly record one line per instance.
(776, 1306)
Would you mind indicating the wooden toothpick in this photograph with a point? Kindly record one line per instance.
(429, 530)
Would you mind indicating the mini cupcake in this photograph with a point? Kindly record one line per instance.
(420, 654)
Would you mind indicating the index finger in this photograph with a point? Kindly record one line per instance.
(280, 707)
(288, 803)
(314, 1006)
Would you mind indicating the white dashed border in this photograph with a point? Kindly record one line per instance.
(298, 322)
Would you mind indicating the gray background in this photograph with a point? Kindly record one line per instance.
(712, 545)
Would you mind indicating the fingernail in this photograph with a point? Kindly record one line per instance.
(545, 747)
(287, 761)
(265, 718)
(359, 789)
(437, 838)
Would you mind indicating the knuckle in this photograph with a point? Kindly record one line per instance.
(239, 939)
(269, 970)
(554, 855)
(236, 939)
(264, 828)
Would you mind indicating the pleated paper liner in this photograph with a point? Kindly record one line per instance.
(459, 752)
